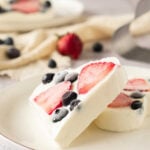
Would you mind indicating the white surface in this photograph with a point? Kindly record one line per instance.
(20, 123)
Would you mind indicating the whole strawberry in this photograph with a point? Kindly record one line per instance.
(70, 45)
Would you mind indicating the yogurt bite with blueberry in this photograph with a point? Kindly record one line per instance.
(69, 101)
(24, 15)
(129, 108)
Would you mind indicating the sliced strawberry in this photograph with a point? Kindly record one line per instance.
(137, 84)
(51, 99)
(26, 6)
(93, 73)
(122, 100)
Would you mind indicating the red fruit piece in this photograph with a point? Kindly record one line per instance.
(70, 45)
(93, 73)
(51, 99)
(137, 84)
(122, 100)
(26, 6)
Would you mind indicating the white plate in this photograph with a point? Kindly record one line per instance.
(19, 123)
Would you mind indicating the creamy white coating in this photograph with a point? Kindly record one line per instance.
(92, 104)
(122, 119)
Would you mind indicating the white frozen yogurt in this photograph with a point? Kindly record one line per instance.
(122, 118)
(92, 104)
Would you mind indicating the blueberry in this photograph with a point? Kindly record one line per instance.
(71, 77)
(59, 114)
(59, 77)
(68, 97)
(52, 63)
(1, 42)
(9, 41)
(47, 4)
(136, 105)
(47, 78)
(12, 53)
(11, 1)
(2, 10)
(97, 47)
(136, 95)
(74, 103)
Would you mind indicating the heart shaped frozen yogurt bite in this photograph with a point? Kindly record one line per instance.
(74, 94)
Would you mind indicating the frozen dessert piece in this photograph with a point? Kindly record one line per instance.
(72, 99)
(128, 110)
(142, 85)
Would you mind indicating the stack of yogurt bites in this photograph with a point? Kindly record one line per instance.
(68, 101)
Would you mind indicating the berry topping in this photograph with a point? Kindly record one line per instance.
(26, 6)
(51, 99)
(9, 41)
(136, 105)
(71, 77)
(137, 85)
(47, 4)
(70, 45)
(74, 103)
(2, 10)
(93, 73)
(1, 42)
(59, 114)
(11, 1)
(59, 77)
(137, 94)
(47, 78)
(52, 63)
(97, 47)
(68, 97)
(122, 100)
(12, 53)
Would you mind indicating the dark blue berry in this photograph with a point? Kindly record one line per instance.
(52, 63)
(47, 4)
(68, 97)
(74, 103)
(59, 77)
(11, 1)
(47, 78)
(97, 47)
(71, 77)
(2, 10)
(1, 42)
(136, 105)
(9, 41)
(136, 95)
(59, 114)
(12, 53)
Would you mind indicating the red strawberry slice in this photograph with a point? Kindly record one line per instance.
(122, 100)
(93, 73)
(26, 6)
(51, 99)
(137, 84)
